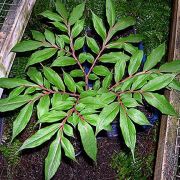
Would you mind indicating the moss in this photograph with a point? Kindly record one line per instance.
(142, 168)
(9, 151)
(153, 19)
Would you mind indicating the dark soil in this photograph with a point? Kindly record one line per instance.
(31, 162)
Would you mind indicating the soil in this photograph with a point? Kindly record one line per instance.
(31, 162)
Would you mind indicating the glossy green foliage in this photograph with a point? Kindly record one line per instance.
(60, 91)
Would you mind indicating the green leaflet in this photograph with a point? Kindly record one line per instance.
(135, 62)
(30, 90)
(92, 119)
(60, 42)
(68, 130)
(138, 97)
(74, 119)
(101, 70)
(114, 57)
(35, 75)
(63, 105)
(119, 70)
(79, 88)
(57, 97)
(93, 77)
(53, 78)
(86, 56)
(132, 38)
(127, 84)
(17, 91)
(107, 115)
(51, 15)
(97, 85)
(88, 139)
(107, 97)
(52, 116)
(22, 119)
(14, 82)
(43, 106)
(40, 136)
(175, 85)
(68, 148)
(79, 43)
(129, 48)
(158, 82)
(69, 82)
(77, 73)
(92, 102)
(38, 36)
(160, 102)
(47, 84)
(76, 13)
(41, 55)
(92, 44)
(173, 67)
(139, 81)
(77, 28)
(60, 26)
(123, 23)
(49, 36)
(128, 130)
(60, 8)
(64, 61)
(107, 81)
(88, 111)
(65, 38)
(155, 57)
(99, 26)
(137, 116)
(27, 45)
(53, 158)
(88, 93)
(130, 102)
(110, 12)
(9, 104)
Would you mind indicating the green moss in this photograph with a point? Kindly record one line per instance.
(18, 68)
(153, 19)
(142, 168)
(9, 151)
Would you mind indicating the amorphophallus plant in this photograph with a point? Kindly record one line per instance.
(57, 84)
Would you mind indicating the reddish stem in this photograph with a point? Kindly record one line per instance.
(72, 49)
(61, 92)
